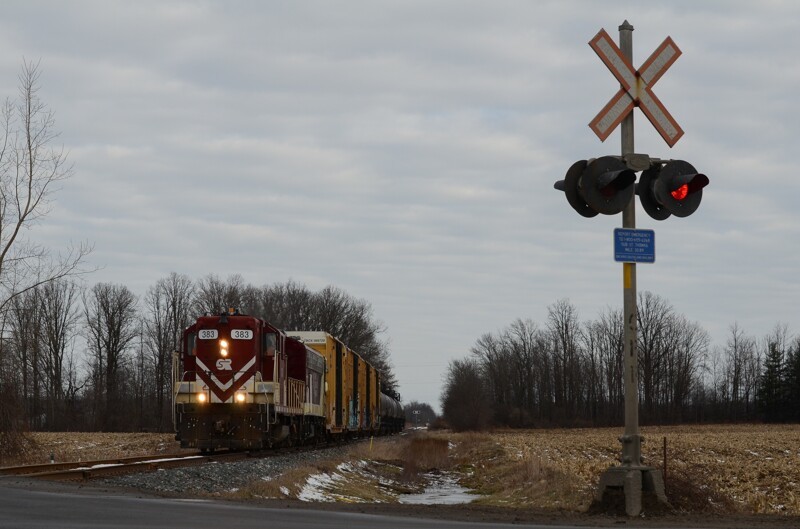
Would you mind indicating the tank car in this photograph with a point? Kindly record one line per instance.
(392, 418)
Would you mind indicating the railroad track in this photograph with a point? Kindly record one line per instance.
(103, 468)
(85, 470)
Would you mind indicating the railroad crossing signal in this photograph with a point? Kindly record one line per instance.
(635, 88)
(603, 185)
(674, 189)
(606, 185)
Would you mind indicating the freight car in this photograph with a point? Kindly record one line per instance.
(356, 404)
(241, 383)
(393, 418)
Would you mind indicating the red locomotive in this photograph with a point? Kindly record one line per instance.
(241, 383)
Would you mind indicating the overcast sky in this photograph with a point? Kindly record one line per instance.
(406, 152)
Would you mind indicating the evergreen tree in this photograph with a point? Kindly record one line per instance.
(772, 387)
(792, 382)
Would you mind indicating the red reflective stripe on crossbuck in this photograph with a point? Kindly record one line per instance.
(636, 88)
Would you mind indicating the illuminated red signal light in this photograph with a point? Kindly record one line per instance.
(674, 188)
(681, 192)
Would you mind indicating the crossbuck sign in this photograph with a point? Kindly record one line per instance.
(636, 89)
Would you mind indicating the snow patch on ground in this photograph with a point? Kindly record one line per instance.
(441, 488)
(317, 487)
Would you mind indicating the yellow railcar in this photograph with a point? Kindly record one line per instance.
(352, 389)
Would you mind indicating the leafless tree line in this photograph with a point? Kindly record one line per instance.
(100, 358)
(569, 372)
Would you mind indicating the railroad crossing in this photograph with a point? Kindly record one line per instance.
(607, 185)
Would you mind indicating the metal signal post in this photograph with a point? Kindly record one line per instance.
(632, 475)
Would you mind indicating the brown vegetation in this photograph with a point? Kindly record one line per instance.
(710, 469)
(423, 454)
(746, 468)
(38, 447)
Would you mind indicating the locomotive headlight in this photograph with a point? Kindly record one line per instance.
(240, 397)
(223, 347)
(201, 397)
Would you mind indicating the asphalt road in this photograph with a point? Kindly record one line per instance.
(35, 509)
(50, 506)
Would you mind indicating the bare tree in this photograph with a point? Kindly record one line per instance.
(740, 372)
(494, 360)
(30, 169)
(610, 329)
(213, 295)
(465, 402)
(287, 305)
(59, 325)
(565, 332)
(683, 365)
(167, 313)
(112, 326)
(25, 333)
(293, 306)
(527, 346)
(654, 317)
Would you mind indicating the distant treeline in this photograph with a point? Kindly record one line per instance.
(101, 358)
(568, 372)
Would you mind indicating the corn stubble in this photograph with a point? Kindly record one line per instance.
(720, 468)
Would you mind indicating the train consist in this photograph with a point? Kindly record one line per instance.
(240, 383)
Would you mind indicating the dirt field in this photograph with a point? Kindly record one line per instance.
(712, 471)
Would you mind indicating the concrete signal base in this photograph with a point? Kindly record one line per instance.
(636, 485)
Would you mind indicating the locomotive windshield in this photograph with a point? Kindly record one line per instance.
(190, 350)
(269, 343)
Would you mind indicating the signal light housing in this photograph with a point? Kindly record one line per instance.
(674, 189)
(603, 185)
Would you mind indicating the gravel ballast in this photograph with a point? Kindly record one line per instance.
(214, 478)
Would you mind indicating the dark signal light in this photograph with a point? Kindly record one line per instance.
(602, 185)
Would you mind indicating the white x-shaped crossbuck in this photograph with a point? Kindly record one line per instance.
(636, 89)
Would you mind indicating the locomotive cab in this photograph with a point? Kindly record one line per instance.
(230, 384)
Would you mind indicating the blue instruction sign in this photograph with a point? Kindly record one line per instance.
(634, 246)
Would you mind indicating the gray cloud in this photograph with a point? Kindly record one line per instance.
(405, 151)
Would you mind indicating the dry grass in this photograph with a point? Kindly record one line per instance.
(393, 467)
(425, 454)
(749, 468)
(510, 478)
(77, 446)
(744, 468)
